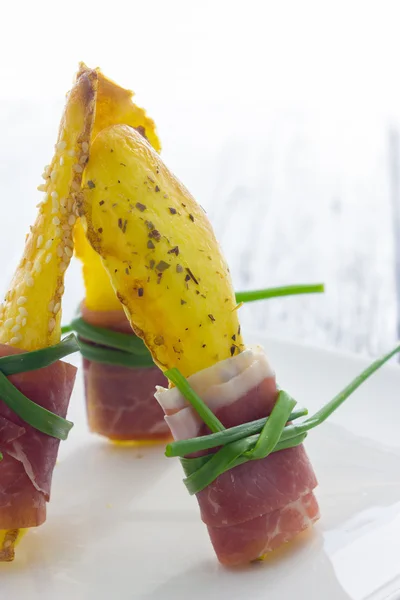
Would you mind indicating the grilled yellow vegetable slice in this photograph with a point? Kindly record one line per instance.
(30, 317)
(160, 253)
(114, 105)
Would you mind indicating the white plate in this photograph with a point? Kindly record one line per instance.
(121, 525)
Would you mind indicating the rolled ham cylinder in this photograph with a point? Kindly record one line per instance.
(255, 507)
(120, 401)
(29, 456)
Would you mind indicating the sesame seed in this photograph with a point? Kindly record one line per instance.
(56, 221)
(60, 290)
(57, 232)
(23, 323)
(61, 145)
(39, 241)
(85, 146)
(59, 251)
(8, 323)
(69, 243)
(41, 187)
(48, 259)
(15, 339)
(71, 152)
(48, 244)
(61, 161)
(77, 168)
(54, 195)
(47, 169)
(63, 210)
(18, 318)
(38, 266)
(54, 210)
(65, 227)
(69, 204)
(50, 305)
(83, 159)
(21, 300)
(53, 175)
(22, 311)
(68, 251)
(75, 186)
(63, 202)
(28, 265)
(63, 266)
(52, 324)
(56, 308)
(71, 220)
(15, 328)
(29, 280)
(44, 175)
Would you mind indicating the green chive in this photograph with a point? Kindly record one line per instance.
(213, 440)
(221, 461)
(199, 406)
(273, 428)
(287, 290)
(106, 337)
(114, 357)
(321, 415)
(33, 414)
(37, 359)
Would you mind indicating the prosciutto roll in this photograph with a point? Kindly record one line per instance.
(120, 401)
(29, 456)
(259, 505)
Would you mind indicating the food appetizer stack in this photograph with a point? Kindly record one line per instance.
(35, 396)
(114, 358)
(159, 308)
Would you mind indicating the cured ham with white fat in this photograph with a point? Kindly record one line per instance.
(259, 505)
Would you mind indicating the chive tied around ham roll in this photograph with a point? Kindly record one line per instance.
(29, 456)
(255, 507)
(168, 272)
(120, 401)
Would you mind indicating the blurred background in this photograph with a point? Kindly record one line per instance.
(282, 118)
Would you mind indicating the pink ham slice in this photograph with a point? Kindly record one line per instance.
(256, 507)
(120, 401)
(29, 456)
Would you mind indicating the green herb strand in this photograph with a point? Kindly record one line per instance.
(207, 416)
(275, 292)
(213, 440)
(32, 413)
(134, 345)
(37, 359)
(272, 430)
(109, 356)
(100, 335)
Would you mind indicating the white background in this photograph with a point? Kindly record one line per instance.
(281, 107)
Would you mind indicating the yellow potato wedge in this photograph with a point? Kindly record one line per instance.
(114, 105)
(160, 252)
(31, 315)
